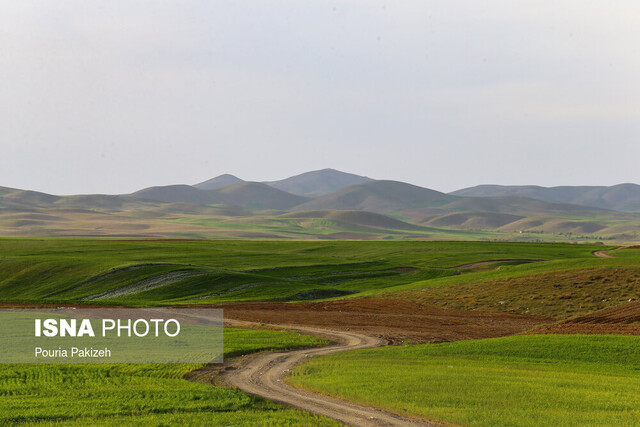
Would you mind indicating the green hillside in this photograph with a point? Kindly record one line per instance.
(169, 272)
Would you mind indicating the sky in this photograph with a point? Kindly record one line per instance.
(118, 95)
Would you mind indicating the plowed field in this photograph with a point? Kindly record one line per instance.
(393, 320)
(624, 319)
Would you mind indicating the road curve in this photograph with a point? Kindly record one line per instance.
(606, 254)
(602, 254)
(264, 375)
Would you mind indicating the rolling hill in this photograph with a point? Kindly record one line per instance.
(29, 198)
(379, 197)
(552, 225)
(471, 220)
(218, 182)
(256, 195)
(361, 218)
(622, 197)
(7, 190)
(368, 209)
(318, 183)
(516, 205)
(251, 195)
(308, 184)
(176, 193)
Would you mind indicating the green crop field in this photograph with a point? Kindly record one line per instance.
(143, 394)
(186, 272)
(541, 380)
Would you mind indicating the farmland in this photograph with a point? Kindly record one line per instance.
(188, 272)
(520, 381)
(289, 213)
(143, 394)
(559, 294)
(411, 292)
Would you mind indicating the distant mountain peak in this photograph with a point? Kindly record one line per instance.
(318, 183)
(218, 182)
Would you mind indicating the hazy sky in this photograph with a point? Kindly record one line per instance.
(113, 96)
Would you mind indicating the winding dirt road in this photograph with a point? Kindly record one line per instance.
(606, 254)
(602, 254)
(264, 375)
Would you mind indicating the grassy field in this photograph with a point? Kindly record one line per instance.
(143, 394)
(538, 380)
(542, 380)
(170, 272)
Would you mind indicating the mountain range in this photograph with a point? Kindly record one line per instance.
(622, 197)
(330, 204)
(308, 184)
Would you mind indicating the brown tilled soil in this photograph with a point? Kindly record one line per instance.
(394, 320)
(560, 295)
(624, 319)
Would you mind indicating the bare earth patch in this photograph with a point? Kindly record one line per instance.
(560, 295)
(624, 319)
(393, 320)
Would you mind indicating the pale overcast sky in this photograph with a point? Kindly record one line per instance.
(113, 96)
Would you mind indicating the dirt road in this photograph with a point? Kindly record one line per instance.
(264, 376)
(354, 324)
(602, 254)
(605, 254)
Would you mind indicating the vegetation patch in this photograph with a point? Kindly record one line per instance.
(569, 380)
(181, 272)
(143, 394)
